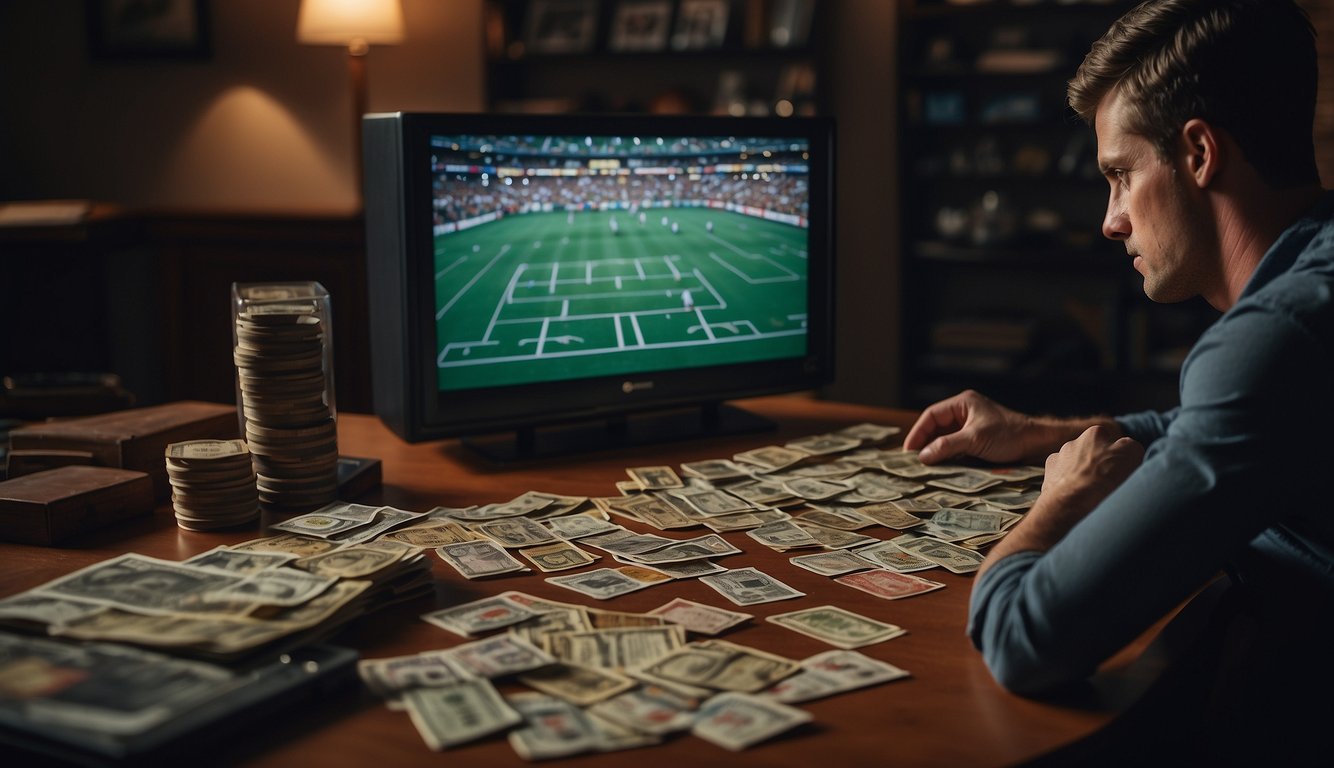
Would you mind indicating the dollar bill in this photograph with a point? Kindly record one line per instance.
(626, 647)
(836, 626)
(437, 533)
(782, 535)
(735, 721)
(479, 616)
(832, 563)
(832, 672)
(353, 562)
(709, 545)
(389, 677)
(458, 713)
(275, 586)
(749, 586)
(139, 583)
(771, 457)
(869, 433)
(655, 478)
(516, 532)
(579, 526)
(601, 583)
(649, 709)
(714, 469)
(479, 559)
(290, 543)
(499, 656)
(240, 562)
(552, 728)
(821, 445)
(560, 556)
(698, 617)
(720, 665)
(577, 684)
(887, 555)
(889, 585)
(952, 558)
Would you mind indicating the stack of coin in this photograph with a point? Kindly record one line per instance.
(212, 483)
(287, 399)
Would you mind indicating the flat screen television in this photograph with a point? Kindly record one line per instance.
(559, 280)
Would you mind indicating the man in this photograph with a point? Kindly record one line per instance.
(1203, 111)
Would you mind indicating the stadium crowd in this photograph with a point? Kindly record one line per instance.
(459, 197)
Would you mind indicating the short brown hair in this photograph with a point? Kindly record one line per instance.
(1246, 66)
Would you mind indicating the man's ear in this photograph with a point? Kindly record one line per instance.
(1203, 151)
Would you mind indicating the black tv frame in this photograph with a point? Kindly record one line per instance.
(580, 414)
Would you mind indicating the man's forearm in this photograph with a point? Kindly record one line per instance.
(1046, 434)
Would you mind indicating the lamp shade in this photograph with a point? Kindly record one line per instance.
(344, 22)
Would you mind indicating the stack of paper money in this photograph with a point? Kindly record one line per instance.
(212, 484)
(282, 375)
(604, 680)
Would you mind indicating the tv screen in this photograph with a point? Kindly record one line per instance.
(531, 270)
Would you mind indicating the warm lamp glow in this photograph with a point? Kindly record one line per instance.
(354, 23)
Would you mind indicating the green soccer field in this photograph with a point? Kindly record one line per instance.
(547, 296)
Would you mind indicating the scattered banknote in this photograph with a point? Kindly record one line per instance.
(479, 559)
(832, 672)
(460, 712)
(889, 585)
(723, 666)
(479, 616)
(836, 626)
(749, 586)
(698, 617)
(735, 721)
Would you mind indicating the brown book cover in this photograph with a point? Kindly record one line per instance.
(48, 507)
(132, 439)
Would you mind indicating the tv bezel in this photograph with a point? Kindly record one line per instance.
(400, 261)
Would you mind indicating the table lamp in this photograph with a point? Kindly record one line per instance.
(356, 24)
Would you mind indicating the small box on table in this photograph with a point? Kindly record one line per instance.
(132, 439)
(48, 507)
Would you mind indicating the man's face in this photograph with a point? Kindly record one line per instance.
(1151, 208)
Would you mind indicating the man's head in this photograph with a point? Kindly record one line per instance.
(1245, 66)
(1197, 104)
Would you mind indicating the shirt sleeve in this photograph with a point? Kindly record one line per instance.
(1146, 426)
(1045, 619)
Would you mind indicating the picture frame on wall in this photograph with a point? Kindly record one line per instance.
(561, 26)
(641, 26)
(700, 24)
(148, 29)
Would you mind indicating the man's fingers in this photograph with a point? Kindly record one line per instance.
(944, 416)
(940, 449)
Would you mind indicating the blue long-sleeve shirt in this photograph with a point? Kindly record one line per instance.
(1239, 476)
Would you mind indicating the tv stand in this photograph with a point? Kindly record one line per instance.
(621, 431)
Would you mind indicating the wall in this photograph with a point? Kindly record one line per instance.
(264, 123)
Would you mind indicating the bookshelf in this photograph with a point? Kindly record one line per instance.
(737, 57)
(1009, 286)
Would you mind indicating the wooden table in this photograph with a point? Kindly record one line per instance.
(950, 713)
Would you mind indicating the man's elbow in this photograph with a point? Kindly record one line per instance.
(1022, 667)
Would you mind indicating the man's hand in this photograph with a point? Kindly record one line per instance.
(1079, 476)
(1088, 468)
(969, 424)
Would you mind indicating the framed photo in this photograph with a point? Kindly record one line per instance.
(700, 24)
(148, 29)
(561, 26)
(641, 25)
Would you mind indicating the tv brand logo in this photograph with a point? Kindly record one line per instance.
(630, 387)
